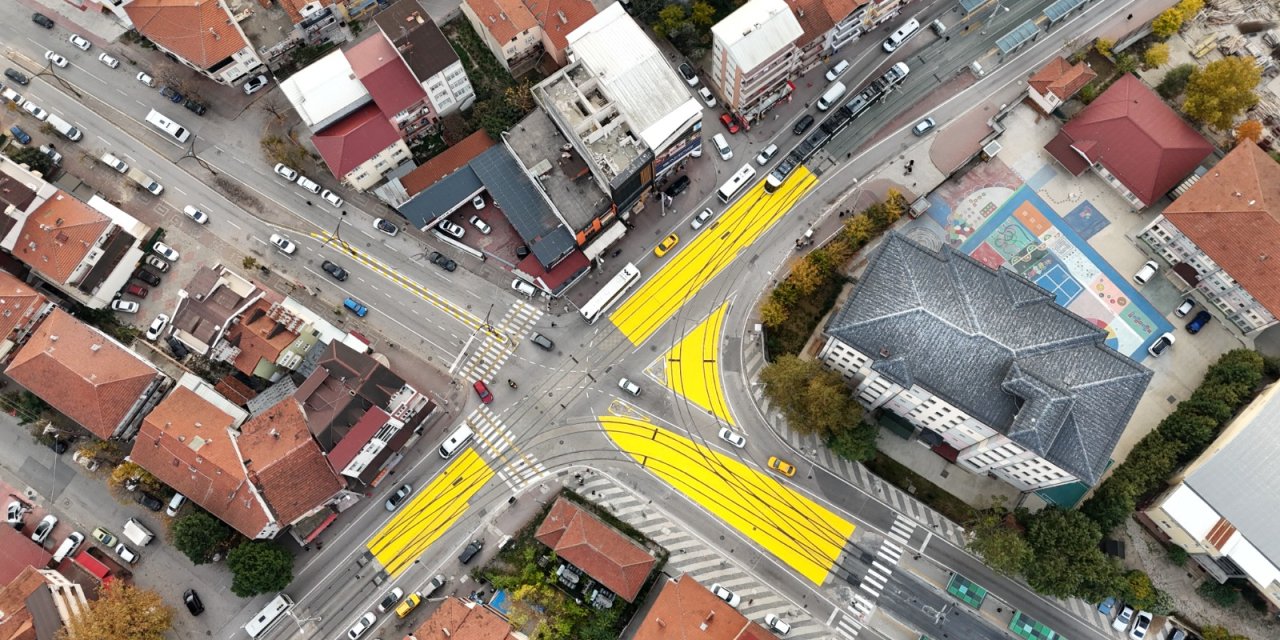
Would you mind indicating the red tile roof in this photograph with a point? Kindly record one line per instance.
(686, 610)
(457, 619)
(294, 7)
(347, 143)
(606, 555)
(82, 373)
(1233, 216)
(17, 622)
(18, 304)
(58, 235)
(559, 18)
(1061, 78)
(291, 470)
(814, 18)
(355, 440)
(199, 31)
(504, 19)
(258, 337)
(385, 75)
(20, 552)
(450, 160)
(1135, 136)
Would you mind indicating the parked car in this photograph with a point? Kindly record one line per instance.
(59, 446)
(308, 184)
(1107, 606)
(192, 600)
(444, 263)
(334, 270)
(283, 244)
(706, 96)
(701, 219)
(733, 437)
(155, 262)
(1160, 345)
(147, 500)
(20, 135)
(356, 307)
(332, 198)
(52, 152)
(729, 122)
(410, 603)
(254, 84)
(172, 94)
(35, 111)
(386, 227)
(1141, 624)
(146, 79)
(399, 497)
(108, 59)
(85, 461)
(105, 537)
(135, 289)
(195, 106)
(924, 126)
(1197, 323)
(43, 529)
(482, 390)
(285, 172)
(42, 20)
(523, 288)
(1144, 274)
(157, 326)
(803, 124)
(1122, 621)
(1185, 308)
(146, 276)
(689, 75)
(481, 225)
(471, 551)
(195, 214)
(124, 306)
(776, 624)
(128, 555)
(165, 251)
(478, 202)
(724, 594)
(17, 76)
(391, 599)
(79, 42)
(175, 503)
(678, 186)
(366, 621)
(177, 348)
(453, 229)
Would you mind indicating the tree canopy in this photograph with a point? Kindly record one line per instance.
(259, 566)
(121, 612)
(813, 398)
(1222, 90)
(200, 535)
(1068, 561)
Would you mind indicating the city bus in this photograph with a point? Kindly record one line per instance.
(735, 184)
(611, 293)
(269, 616)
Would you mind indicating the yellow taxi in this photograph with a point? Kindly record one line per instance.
(781, 466)
(666, 245)
(410, 603)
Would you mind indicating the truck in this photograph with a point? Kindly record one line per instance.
(145, 181)
(62, 126)
(138, 534)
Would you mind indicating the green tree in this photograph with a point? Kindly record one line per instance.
(121, 612)
(1110, 504)
(1222, 90)
(199, 536)
(1156, 55)
(812, 398)
(1001, 546)
(34, 158)
(702, 14)
(1167, 23)
(1175, 81)
(1068, 562)
(1137, 590)
(671, 20)
(1103, 46)
(1193, 432)
(855, 443)
(1163, 604)
(1126, 63)
(1219, 633)
(1224, 595)
(259, 566)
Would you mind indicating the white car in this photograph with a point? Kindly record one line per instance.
(702, 218)
(115, 163)
(629, 386)
(254, 84)
(165, 251)
(35, 111)
(776, 624)
(452, 229)
(1146, 272)
(128, 555)
(43, 529)
(124, 306)
(79, 42)
(175, 503)
(284, 171)
(386, 227)
(1122, 621)
(53, 154)
(332, 198)
(480, 224)
(157, 325)
(106, 59)
(284, 244)
(706, 96)
(57, 60)
(1141, 624)
(724, 594)
(196, 214)
(478, 202)
(155, 261)
(362, 625)
(733, 437)
(523, 288)
(146, 79)
(766, 155)
(308, 184)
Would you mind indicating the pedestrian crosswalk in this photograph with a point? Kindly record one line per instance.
(517, 468)
(706, 564)
(882, 565)
(490, 349)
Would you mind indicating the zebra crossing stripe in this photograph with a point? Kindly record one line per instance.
(882, 568)
(874, 594)
(888, 554)
(875, 579)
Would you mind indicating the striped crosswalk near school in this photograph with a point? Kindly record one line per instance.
(517, 468)
(494, 347)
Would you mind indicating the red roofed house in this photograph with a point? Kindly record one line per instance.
(202, 34)
(1056, 82)
(518, 32)
(270, 339)
(85, 250)
(21, 308)
(38, 603)
(1223, 237)
(396, 191)
(685, 610)
(361, 148)
(602, 552)
(87, 376)
(1133, 140)
(259, 476)
(459, 619)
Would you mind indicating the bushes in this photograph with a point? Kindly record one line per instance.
(1175, 81)
(1223, 595)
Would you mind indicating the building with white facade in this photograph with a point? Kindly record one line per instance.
(201, 34)
(754, 57)
(1222, 237)
(429, 56)
(1224, 508)
(985, 365)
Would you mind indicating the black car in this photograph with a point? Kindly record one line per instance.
(192, 600)
(195, 107)
(17, 76)
(471, 551)
(59, 446)
(149, 501)
(171, 93)
(334, 270)
(543, 342)
(522, 251)
(678, 187)
(176, 347)
(42, 20)
(444, 263)
(803, 124)
(146, 276)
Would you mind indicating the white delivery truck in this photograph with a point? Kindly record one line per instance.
(62, 126)
(138, 534)
(145, 181)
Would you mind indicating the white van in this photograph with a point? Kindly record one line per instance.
(175, 130)
(898, 37)
(456, 440)
(722, 146)
(837, 69)
(68, 546)
(831, 97)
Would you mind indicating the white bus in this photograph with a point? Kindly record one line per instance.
(735, 184)
(611, 293)
(175, 130)
(269, 616)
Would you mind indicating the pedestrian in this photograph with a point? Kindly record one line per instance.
(553, 325)
(775, 116)
(308, 203)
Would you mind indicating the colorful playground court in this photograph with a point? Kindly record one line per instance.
(1025, 234)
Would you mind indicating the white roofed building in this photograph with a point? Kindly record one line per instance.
(754, 57)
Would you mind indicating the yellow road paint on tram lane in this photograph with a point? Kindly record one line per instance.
(693, 366)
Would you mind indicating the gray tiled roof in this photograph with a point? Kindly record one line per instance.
(996, 346)
(524, 205)
(1240, 480)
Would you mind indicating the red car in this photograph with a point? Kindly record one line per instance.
(730, 122)
(483, 392)
(135, 289)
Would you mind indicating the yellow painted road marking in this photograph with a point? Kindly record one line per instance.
(377, 266)
(693, 369)
(421, 522)
(797, 530)
(715, 248)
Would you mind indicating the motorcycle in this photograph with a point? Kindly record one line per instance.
(512, 384)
